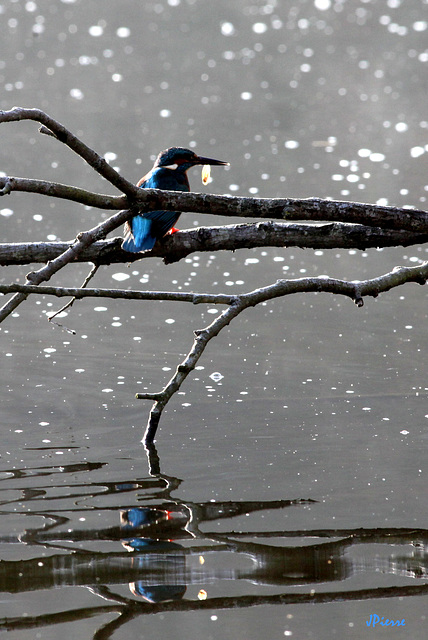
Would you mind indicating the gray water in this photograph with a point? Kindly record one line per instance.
(291, 463)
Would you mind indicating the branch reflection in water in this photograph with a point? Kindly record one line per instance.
(162, 552)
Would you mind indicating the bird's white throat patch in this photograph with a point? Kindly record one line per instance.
(170, 166)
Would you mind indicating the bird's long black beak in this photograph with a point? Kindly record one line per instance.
(202, 160)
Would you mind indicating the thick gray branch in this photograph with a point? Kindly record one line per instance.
(288, 209)
(225, 238)
(64, 191)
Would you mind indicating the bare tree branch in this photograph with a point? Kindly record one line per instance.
(355, 290)
(64, 135)
(289, 209)
(174, 247)
(63, 191)
(83, 240)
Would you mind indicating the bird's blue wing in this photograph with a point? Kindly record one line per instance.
(163, 221)
(139, 235)
(143, 231)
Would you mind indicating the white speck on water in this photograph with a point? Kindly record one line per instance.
(44, 424)
(404, 432)
(364, 153)
(322, 5)
(246, 95)
(216, 376)
(96, 30)
(107, 390)
(233, 187)
(77, 94)
(227, 29)
(169, 321)
(120, 277)
(401, 127)
(100, 308)
(420, 25)
(259, 27)
(49, 350)
(116, 324)
(123, 32)
(37, 217)
(109, 156)
(87, 60)
(164, 113)
(251, 261)
(377, 157)
(291, 144)
(79, 370)
(415, 152)
(6, 213)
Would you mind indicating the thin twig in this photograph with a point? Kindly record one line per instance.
(69, 304)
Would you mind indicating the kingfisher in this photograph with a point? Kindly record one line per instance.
(169, 172)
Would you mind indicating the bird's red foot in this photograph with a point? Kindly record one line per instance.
(173, 230)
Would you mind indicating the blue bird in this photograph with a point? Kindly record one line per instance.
(170, 173)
